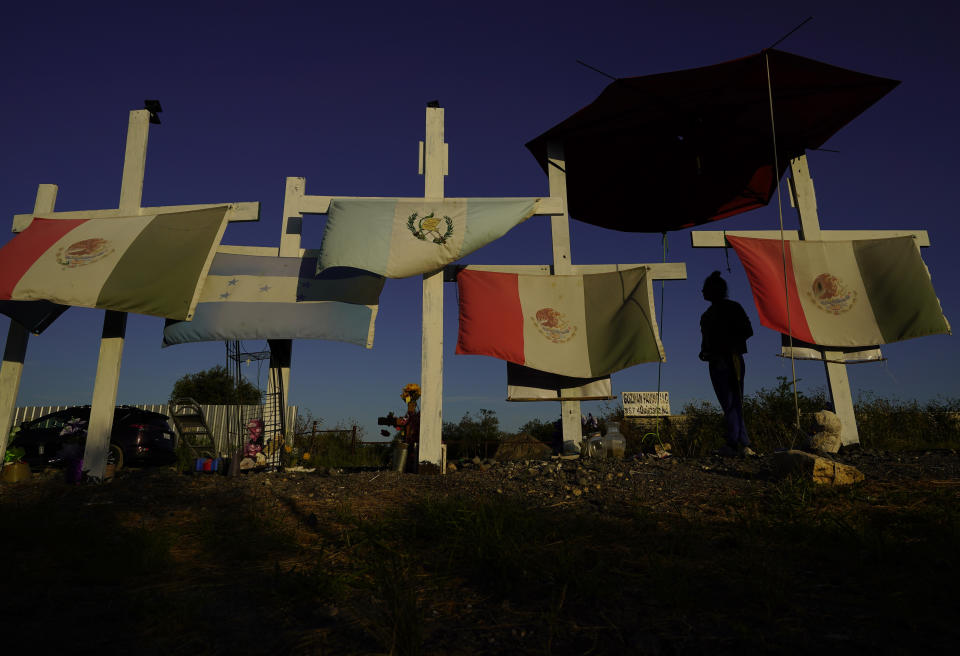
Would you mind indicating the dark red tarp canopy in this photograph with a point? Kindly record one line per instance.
(674, 150)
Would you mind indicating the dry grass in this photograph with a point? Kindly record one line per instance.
(362, 564)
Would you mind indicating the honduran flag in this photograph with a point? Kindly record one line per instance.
(581, 326)
(144, 264)
(270, 297)
(842, 293)
(398, 238)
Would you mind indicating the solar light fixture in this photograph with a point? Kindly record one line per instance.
(153, 106)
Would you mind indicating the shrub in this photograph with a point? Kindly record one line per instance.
(771, 418)
(900, 425)
(338, 447)
(473, 437)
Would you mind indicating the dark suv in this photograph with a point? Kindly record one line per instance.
(138, 437)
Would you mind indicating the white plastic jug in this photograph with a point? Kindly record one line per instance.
(613, 444)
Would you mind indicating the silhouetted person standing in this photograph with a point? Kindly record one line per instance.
(725, 328)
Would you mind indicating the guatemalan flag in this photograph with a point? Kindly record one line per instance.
(857, 293)
(144, 264)
(581, 326)
(399, 238)
(270, 297)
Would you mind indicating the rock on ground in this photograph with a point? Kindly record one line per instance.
(821, 470)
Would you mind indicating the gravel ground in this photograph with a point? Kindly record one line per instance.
(672, 489)
(599, 484)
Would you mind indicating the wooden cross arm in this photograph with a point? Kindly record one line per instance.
(298, 203)
(263, 251)
(658, 270)
(717, 239)
(248, 211)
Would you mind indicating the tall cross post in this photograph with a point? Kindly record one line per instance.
(434, 167)
(281, 350)
(104, 399)
(15, 349)
(804, 199)
(562, 266)
(115, 323)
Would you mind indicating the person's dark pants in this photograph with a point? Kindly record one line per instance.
(726, 374)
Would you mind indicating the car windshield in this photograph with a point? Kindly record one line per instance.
(56, 420)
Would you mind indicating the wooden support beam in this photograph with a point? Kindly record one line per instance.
(14, 354)
(281, 350)
(321, 204)
(266, 251)
(15, 349)
(104, 393)
(134, 161)
(434, 167)
(235, 212)
(570, 414)
(657, 270)
(104, 401)
(838, 383)
(717, 239)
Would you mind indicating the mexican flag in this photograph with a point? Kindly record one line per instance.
(144, 264)
(580, 326)
(270, 297)
(399, 238)
(842, 293)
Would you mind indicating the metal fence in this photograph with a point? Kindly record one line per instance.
(219, 417)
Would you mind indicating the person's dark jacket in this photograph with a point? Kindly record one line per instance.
(725, 328)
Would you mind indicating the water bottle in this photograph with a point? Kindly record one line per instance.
(613, 444)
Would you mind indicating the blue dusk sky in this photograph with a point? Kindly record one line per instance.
(335, 92)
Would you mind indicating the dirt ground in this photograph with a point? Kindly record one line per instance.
(315, 510)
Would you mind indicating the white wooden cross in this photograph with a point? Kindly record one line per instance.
(434, 166)
(114, 323)
(563, 266)
(803, 198)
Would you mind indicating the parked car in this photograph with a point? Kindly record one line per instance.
(138, 437)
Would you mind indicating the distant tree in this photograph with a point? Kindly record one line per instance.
(215, 386)
(472, 437)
